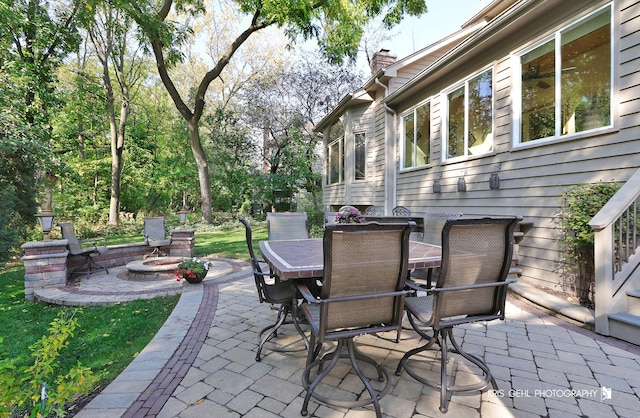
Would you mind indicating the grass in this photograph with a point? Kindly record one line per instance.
(108, 337)
(229, 243)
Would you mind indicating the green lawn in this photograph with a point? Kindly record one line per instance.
(229, 243)
(108, 337)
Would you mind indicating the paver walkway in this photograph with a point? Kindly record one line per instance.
(202, 364)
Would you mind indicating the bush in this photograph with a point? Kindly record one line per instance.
(28, 385)
(579, 205)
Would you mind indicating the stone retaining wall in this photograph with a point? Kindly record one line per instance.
(48, 263)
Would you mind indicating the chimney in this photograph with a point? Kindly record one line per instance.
(381, 59)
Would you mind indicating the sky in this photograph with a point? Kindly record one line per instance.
(443, 17)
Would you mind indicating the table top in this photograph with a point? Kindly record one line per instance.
(303, 258)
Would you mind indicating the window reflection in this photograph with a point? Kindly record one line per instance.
(417, 136)
(583, 77)
(361, 162)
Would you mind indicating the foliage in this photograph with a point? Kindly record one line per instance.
(579, 205)
(232, 153)
(191, 268)
(34, 37)
(21, 152)
(29, 385)
(337, 24)
(110, 336)
(283, 108)
(312, 204)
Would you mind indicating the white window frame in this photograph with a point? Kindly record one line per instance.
(516, 65)
(340, 142)
(444, 99)
(355, 155)
(414, 111)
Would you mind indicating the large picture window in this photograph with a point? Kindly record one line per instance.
(470, 117)
(416, 128)
(566, 81)
(361, 155)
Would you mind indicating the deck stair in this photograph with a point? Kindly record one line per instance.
(626, 325)
(617, 263)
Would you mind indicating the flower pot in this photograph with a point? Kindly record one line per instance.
(197, 279)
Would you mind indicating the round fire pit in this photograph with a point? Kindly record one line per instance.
(154, 268)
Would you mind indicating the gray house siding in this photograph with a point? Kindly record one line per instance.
(533, 176)
(361, 118)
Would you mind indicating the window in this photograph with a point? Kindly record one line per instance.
(566, 81)
(470, 117)
(361, 156)
(335, 154)
(416, 127)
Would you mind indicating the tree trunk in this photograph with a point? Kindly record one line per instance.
(117, 147)
(203, 170)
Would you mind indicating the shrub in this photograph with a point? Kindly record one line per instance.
(26, 386)
(579, 205)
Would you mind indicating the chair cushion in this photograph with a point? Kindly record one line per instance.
(421, 307)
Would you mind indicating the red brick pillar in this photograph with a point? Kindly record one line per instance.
(182, 243)
(45, 264)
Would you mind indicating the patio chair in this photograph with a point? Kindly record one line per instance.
(432, 234)
(374, 211)
(472, 287)
(280, 294)
(347, 208)
(155, 235)
(83, 248)
(287, 225)
(362, 293)
(401, 211)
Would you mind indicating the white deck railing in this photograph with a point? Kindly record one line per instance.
(616, 255)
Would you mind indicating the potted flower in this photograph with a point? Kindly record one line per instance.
(192, 270)
(349, 216)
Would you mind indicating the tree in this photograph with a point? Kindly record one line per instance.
(111, 33)
(284, 106)
(337, 25)
(232, 154)
(21, 151)
(34, 36)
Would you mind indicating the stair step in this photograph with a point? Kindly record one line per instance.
(625, 326)
(633, 302)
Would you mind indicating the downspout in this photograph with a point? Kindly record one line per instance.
(390, 169)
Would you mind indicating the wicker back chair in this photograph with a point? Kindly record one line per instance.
(374, 211)
(155, 235)
(401, 211)
(287, 225)
(85, 249)
(280, 294)
(476, 257)
(432, 234)
(364, 273)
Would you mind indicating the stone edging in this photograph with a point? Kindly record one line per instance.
(148, 382)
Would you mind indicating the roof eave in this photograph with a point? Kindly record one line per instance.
(349, 99)
(481, 29)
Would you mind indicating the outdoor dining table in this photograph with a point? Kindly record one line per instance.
(303, 258)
